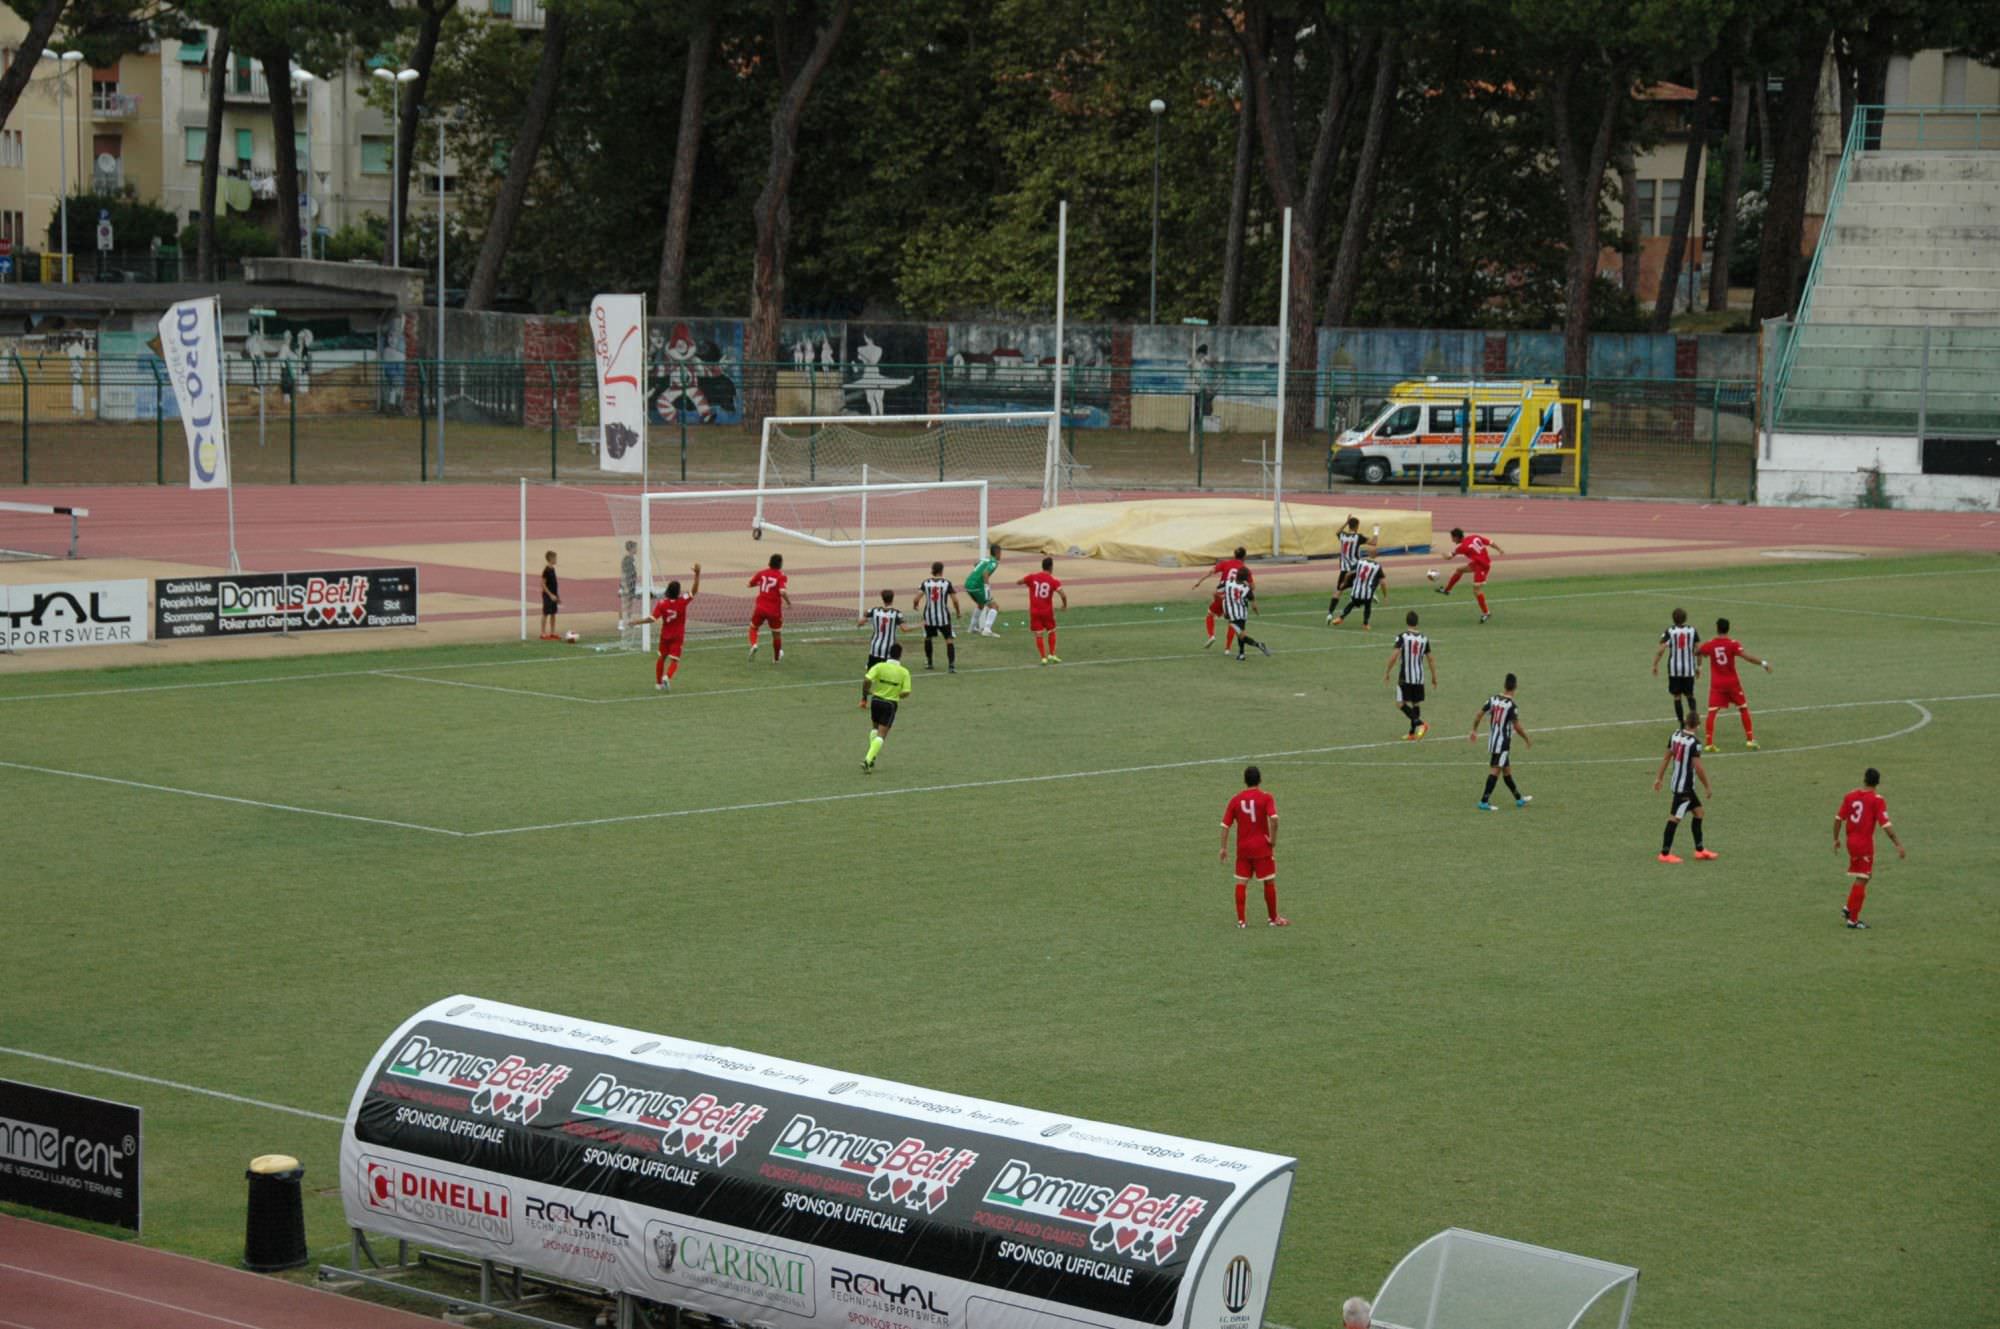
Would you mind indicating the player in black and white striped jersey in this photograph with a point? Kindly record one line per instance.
(1369, 581)
(1406, 661)
(883, 622)
(1352, 550)
(1238, 603)
(937, 599)
(1683, 764)
(1503, 723)
(1681, 645)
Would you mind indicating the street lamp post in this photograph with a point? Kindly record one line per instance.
(440, 372)
(1158, 108)
(65, 61)
(302, 79)
(397, 78)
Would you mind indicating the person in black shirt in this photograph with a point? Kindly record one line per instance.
(551, 597)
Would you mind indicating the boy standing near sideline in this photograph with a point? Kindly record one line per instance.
(551, 597)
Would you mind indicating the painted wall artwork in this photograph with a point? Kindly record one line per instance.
(883, 370)
(694, 371)
(1011, 367)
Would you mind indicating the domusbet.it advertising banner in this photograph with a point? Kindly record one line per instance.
(78, 613)
(261, 602)
(618, 344)
(69, 1154)
(789, 1194)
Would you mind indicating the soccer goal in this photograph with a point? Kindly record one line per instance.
(841, 546)
(1021, 453)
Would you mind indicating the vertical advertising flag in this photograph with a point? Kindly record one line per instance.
(618, 341)
(190, 337)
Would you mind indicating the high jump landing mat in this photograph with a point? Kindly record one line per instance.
(1186, 532)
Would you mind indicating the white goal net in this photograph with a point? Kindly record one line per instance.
(1021, 453)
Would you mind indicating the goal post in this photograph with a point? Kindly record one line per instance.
(1014, 450)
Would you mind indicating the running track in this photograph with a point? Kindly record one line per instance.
(56, 1278)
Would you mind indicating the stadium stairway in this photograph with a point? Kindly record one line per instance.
(1908, 287)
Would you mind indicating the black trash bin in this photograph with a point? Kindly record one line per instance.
(274, 1226)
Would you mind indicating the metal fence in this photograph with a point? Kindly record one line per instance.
(112, 420)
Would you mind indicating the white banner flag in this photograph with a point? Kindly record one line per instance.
(618, 340)
(190, 337)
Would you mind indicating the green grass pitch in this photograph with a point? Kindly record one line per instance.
(1515, 1022)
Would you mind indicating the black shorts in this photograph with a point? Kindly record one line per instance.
(1346, 578)
(1679, 805)
(1409, 694)
(937, 630)
(1680, 687)
(873, 660)
(1502, 757)
(548, 606)
(881, 714)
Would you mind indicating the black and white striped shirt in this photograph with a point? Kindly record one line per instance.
(1500, 714)
(1367, 573)
(883, 621)
(936, 596)
(1681, 642)
(1235, 600)
(1350, 549)
(1682, 749)
(1414, 646)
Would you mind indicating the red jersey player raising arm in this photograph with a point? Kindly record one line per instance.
(1478, 552)
(1221, 572)
(1254, 814)
(772, 597)
(672, 615)
(1043, 592)
(1722, 651)
(1860, 813)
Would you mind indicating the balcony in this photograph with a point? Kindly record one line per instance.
(107, 182)
(249, 86)
(106, 104)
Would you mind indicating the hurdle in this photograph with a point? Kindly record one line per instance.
(43, 510)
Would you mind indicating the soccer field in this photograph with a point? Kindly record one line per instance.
(240, 876)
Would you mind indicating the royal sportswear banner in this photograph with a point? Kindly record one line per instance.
(190, 341)
(791, 1195)
(248, 603)
(618, 341)
(69, 1154)
(76, 613)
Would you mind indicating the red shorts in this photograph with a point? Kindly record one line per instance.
(1041, 622)
(672, 646)
(1479, 571)
(1215, 605)
(775, 617)
(1725, 694)
(1259, 866)
(1860, 860)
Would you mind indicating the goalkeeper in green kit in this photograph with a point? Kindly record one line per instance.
(984, 610)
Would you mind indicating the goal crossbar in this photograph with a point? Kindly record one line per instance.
(1045, 464)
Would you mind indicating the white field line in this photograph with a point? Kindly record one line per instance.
(1870, 613)
(168, 1084)
(719, 645)
(1147, 768)
(224, 798)
(484, 687)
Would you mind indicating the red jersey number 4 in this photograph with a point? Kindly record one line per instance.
(1251, 813)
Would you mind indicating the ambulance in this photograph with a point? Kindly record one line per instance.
(1421, 429)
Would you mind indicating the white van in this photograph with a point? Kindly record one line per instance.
(1421, 427)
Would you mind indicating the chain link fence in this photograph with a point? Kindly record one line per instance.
(113, 421)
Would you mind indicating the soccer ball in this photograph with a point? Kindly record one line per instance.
(571, 636)
(1432, 573)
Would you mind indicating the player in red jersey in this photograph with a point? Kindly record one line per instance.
(1478, 552)
(672, 615)
(1860, 813)
(772, 597)
(1722, 651)
(1223, 567)
(1043, 592)
(1254, 814)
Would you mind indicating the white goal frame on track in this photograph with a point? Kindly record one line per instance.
(977, 537)
(1054, 468)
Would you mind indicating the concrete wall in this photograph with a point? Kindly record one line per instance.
(1829, 471)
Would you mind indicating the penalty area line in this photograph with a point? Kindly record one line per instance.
(170, 1084)
(226, 798)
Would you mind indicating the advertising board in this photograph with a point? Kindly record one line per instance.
(248, 603)
(77, 613)
(70, 1154)
(790, 1194)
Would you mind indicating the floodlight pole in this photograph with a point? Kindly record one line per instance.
(440, 373)
(1158, 108)
(1052, 468)
(1284, 354)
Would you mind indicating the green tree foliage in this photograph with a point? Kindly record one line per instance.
(134, 225)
